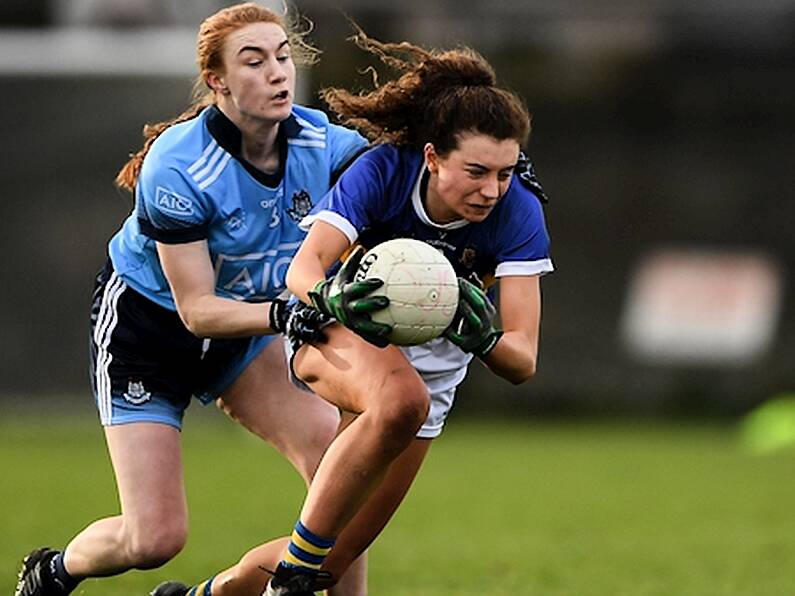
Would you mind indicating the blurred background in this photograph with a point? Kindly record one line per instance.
(663, 133)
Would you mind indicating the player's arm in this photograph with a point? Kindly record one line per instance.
(514, 355)
(190, 275)
(511, 351)
(349, 302)
(322, 247)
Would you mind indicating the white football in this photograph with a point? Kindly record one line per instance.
(421, 285)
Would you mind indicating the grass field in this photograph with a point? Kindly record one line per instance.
(501, 508)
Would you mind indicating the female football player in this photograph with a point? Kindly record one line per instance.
(188, 305)
(444, 171)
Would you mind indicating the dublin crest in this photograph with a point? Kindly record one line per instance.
(136, 394)
(302, 205)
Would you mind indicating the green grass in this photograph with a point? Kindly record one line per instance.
(585, 508)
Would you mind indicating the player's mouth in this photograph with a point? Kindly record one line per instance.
(281, 97)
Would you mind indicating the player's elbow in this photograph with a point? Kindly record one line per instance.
(194, 320)
(522, 373)
(291, 281)
(514, 358)
(194, 325)
(518, 369)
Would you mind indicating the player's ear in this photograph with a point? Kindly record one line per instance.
(216, 83)
(431, 158)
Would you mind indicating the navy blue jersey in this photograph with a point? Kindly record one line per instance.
(379, 198)
(194, 185)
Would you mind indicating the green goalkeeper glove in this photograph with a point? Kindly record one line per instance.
(350, 301)
(473, 328)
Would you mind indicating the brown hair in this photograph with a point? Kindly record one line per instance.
(209, 46)
(439, 95)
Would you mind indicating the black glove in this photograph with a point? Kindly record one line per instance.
(473, 328)
(278, 315)
(350, 302)
(305, 325)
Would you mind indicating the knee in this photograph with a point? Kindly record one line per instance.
(155, 546)
(403, 409)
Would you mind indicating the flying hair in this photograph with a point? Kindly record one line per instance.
(436, 96)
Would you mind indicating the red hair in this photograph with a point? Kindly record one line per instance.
(209, 50)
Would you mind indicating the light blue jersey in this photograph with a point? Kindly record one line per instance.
(194, 185)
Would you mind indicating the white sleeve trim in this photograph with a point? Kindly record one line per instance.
(335, 219)
(509, 268)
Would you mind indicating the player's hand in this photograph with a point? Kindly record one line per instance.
(305, 324)
(351, 302)
(473, 328)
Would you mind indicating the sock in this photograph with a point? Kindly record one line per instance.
(306, 549)
(60, 576)
(202, 589)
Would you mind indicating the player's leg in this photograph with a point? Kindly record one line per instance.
(392, 402)
(246, 576)
(264, 401)
(249, 575)
(150, 530)
(301, 426)
(382, 504)
(153, 524)
(373, 516)
(142, 434)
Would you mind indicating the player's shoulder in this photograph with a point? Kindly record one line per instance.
(392, 160)
(180, 151)
(521, 197)
(519, 209)
(309, 117)
(311, 128)
(306, 123)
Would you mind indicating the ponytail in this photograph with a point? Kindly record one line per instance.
(128, 175)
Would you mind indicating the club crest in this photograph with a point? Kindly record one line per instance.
(136, 394)
(302, 205)
(468, 256)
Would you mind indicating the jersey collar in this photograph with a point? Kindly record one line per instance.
(420, 188)
(228, 136)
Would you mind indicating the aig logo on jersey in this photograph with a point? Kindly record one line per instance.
(170, 202)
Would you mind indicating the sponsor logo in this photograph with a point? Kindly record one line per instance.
(172, 203)
(364, 266)
(136, 394)
(254, 276)
(236, 221)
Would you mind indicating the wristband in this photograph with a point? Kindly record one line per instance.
(277, 315)
(486, 347)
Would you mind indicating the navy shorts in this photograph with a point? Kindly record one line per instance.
(146, 365)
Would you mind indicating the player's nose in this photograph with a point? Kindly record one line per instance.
(490, 188)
